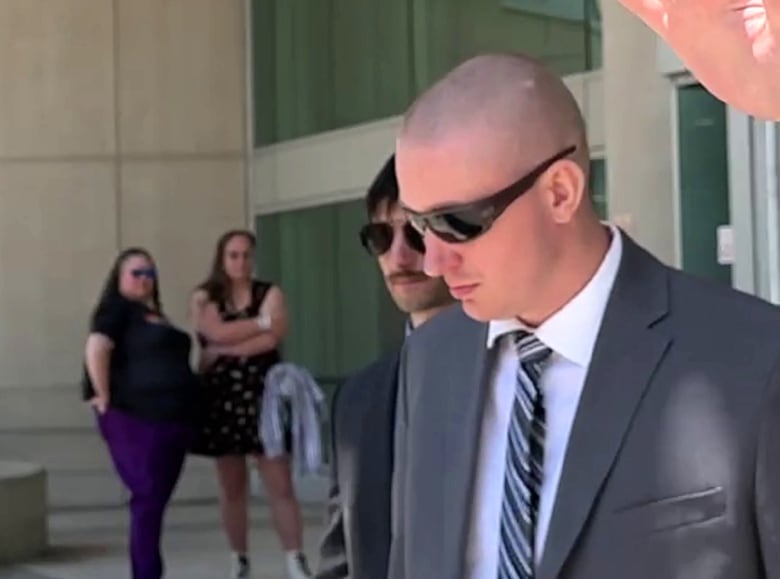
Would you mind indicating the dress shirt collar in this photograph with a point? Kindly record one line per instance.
(571, 332)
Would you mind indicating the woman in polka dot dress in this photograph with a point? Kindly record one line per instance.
(241, 323)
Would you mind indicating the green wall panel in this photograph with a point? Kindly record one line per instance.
(334, 63)
(598, 187)
(341, 317)
(264, 58)
(371, 59)
(357, 283)
(704, 180)
(268, 253)
(488, 26)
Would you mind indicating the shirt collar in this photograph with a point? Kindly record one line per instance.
(571, 332)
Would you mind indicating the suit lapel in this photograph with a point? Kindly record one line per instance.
(630, 345)
(464, 399)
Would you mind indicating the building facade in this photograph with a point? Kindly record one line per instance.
(690, 178)
(163, 123)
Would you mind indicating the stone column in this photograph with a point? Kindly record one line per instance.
(121, 123)
(638, 126)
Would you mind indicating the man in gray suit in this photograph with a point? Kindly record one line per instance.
(357, 540)
(590, 413)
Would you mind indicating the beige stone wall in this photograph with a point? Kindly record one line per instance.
(122, 122)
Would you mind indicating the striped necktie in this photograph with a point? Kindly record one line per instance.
(524, 463)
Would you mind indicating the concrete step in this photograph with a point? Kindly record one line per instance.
(81, 474)
(88, 488)
(23, 526)
(80, 471)
(56, 406)
(67, 449)
(198, 483)
(64, 449)
(103, 488)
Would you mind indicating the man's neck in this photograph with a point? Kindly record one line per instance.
(578, 269)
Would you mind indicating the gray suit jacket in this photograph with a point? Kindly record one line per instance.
(671, 470)
(357, 539)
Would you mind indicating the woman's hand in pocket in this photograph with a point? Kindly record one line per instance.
(99, 403)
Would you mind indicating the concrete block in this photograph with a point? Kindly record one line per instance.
(23, 525)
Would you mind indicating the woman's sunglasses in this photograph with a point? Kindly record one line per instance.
(148, 273)
(377, 238)
(467, 221)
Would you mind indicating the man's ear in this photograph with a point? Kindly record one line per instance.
(565, 189)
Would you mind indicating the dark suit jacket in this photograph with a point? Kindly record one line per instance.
(673, 466)
(357, 540)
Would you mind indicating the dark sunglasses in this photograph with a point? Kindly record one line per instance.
(149, 273)
(377, 238)
(467, 221)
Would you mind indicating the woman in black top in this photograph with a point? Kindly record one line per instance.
(144, 392)
(234, 365)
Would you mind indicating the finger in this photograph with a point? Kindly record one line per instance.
(773, 13)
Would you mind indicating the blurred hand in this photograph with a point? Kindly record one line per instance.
(731, 46)
(99, 403)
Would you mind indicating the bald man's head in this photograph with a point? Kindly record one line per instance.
(492, 164)
(512, 99)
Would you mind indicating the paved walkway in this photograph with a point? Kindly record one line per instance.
(92, 545)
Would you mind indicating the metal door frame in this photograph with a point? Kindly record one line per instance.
(753, 159)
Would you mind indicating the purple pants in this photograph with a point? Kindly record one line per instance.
(149, 457)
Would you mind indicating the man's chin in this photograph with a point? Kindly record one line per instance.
(476, 311)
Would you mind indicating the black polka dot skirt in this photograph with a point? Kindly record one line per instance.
(230, 411)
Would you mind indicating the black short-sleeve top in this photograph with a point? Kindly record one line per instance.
(150, 374)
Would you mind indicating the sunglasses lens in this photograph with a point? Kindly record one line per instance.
(147, 273)
(458, 226)
(376, 238)
(414, 238)
(417, 222)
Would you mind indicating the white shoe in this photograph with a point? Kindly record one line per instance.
(239, 567)
(297, 566)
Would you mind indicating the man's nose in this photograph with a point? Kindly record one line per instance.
(400, 251)
(437, 255)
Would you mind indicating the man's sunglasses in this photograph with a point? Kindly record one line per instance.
(377, 238)
(149, 273)
(467, 221)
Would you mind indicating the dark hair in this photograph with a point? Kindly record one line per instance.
(217, 284)
(384, 189)
(111, 285)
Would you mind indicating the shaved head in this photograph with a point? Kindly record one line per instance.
(523, 106)
(493, 165)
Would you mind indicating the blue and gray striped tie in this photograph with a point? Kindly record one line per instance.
(524, 463)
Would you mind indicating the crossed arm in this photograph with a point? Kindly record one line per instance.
(241, 337)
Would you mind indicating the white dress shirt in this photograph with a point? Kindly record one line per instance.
(571, 335)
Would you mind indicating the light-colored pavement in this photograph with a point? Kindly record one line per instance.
(92, 545)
